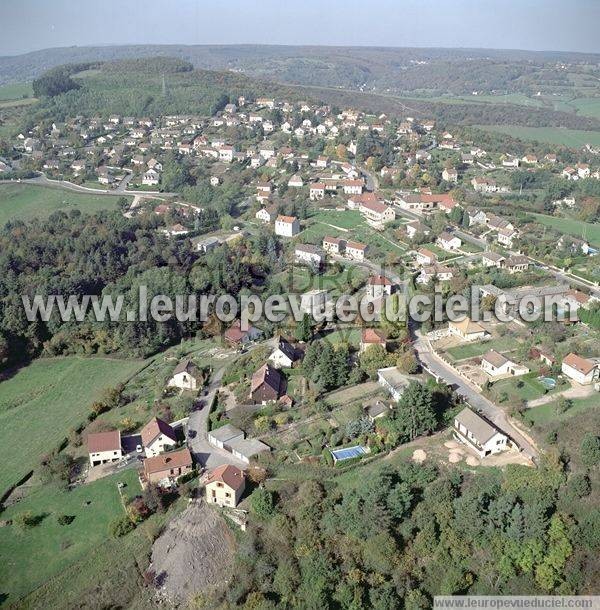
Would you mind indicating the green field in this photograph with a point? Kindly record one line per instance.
(42, 402)
(472, 350)
(33, 556)
(570, 226)
(15, 91)
(574, 138)
(545, 414)
(26, 201)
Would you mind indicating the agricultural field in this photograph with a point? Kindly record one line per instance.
(26, 201)
(574, 138)
(570, 226)
(15, 91)
(42, 402)
(39, 553)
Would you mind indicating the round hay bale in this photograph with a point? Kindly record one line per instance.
(472, 460)
(453, 458)
(419, 456)
(451, 444)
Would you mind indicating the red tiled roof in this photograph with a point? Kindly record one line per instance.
(582, 365)
(166, 461)
(155, 427)
(104, 441)
(230, 475)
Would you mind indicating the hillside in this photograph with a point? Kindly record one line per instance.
(376, 68)
(135, 87)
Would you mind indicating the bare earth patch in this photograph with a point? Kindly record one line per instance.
(194, 554)
(419, 456)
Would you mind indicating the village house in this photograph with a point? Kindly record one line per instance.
(393, 381)
(370, 337)
(352, 187)
(157, 437)
(467, 330)
(225, 486)
(377, 213)
(506, 237)
(516, 264)
(104, 447)
(415, 227)
(581, 370)
(186, 376)
(378, 286)
(334, 245)
(267, 214)
(450, 175)
(447, 241)
(356, 250)
(166, 468)
(425, 257)
(151, 178)
(496, 365)
(478, 434)
(295, 182)
(441, 273)
(314, 302)
(492, 259)
(235, 336)
(287, 226)
(285, 355)
(316, 191)
(267, 385)
(307, 254)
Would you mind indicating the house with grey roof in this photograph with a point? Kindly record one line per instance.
(479, 434)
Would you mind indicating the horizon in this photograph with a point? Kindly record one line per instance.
(96, 45)
(459, 24)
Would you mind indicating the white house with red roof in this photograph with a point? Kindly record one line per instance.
(287, 226)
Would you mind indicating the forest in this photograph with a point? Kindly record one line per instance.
(393, 537)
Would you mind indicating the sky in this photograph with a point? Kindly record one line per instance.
(553, 25)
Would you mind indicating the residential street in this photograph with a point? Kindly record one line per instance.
(473, 396)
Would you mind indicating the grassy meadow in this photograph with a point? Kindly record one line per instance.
(26, 201)
(570, 226)
(574, 138)
(33, 556)
(42, 402)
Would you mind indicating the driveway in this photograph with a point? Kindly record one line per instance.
(204, 453)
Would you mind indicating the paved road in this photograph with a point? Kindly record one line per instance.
(42, 180)
(472, 394)
(205, 453)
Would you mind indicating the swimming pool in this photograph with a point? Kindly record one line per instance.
(547, 382)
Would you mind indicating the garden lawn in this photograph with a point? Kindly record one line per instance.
(532, 388)
(471, 350)
(42, 402)
(32, 556)
(26, 201)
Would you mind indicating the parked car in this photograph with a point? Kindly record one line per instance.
(139, 448)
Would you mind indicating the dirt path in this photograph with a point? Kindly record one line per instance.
(194, 554)
(576, 391)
